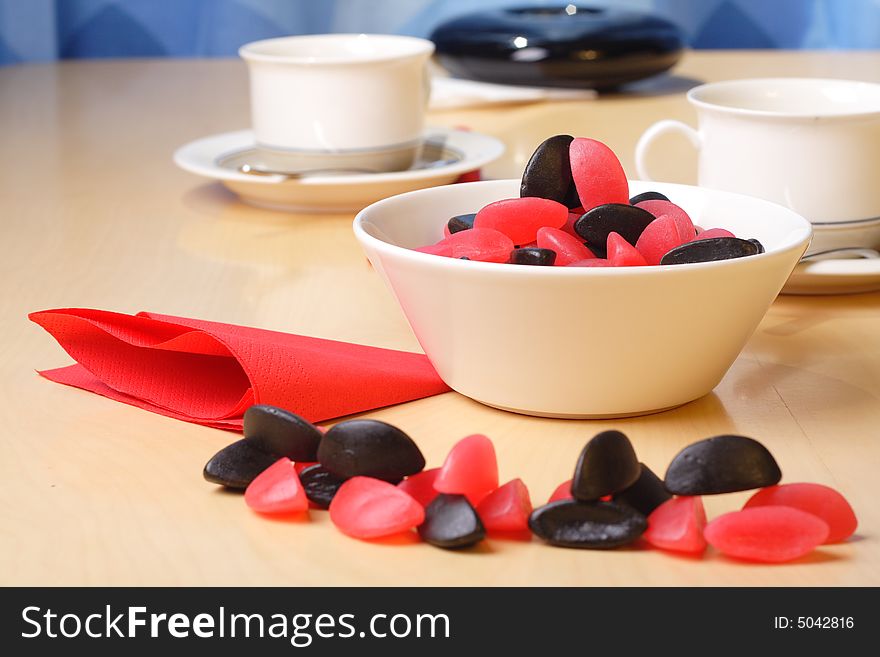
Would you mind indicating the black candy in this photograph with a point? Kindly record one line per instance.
(573, 199)
(594, 525)
(626, 220)
(369, 448)
(451, 522)
(548, 172)
(237, 465)
(280, 432)
(607, 465)
(757, 244)
(723, 464)
(533, 256)
(461, 222)
(648, 196)
(708, 250)
(320, 484)
(646, 494)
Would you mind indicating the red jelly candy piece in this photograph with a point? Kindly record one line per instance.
(470, 469)
(441, 248)
(506, 509)
(421, 486)
(623, 254)
(364, 507)
(713, 232)
(590, 262)
(597, 173)
(658, 208)
(658, 239)
(568, 249)
(770, 534)
(277, 489)
(821, 501)
(520, 218)
(482, 244)
(446, 232)
(562, 492)
(470, 176)
(677, 525)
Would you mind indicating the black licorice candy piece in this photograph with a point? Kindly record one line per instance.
(451, 522)
(461, 222)
(646, 494)
(710, 250)
(237, 465)
(533, 256)
(592, 525)
(626, 220)
(320, 484)
(648, 196)
(723, 464)
(607, 465)
(280, 432)
(757, 244)
(548, 172)
(369, 448)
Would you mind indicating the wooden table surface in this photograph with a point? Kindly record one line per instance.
(93, 213)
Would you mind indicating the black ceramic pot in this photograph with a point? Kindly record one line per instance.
(558, 46)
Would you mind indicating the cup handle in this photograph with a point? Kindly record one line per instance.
(648, 137)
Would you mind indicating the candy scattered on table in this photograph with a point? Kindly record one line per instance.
(364, 507)
(369, 448)
(606, 465)
(583, 175)
(595, 525)
(451, 522)
(772, 534)
(822, 501)
(723, 464)
(320, 485)
(277, 431)
(613, 500)
(677, 525)
(277, 489)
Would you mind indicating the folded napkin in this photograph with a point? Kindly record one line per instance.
(210, 373)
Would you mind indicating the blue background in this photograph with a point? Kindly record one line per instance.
(40, 30)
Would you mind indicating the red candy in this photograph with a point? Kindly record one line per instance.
(506, 509)
(475, 244)
(623, 254)
(590, 262)
(677, 525)
(520, 218)
(658, 208)
(598, 174)
(421, 486)
(713, 232)
(771, 534)
(659, 238)
(470, 469)
(568, 249)
(364, 507)
(562, 492)
(821, 501)
(277, 489)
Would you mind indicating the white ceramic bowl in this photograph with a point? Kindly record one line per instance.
(580, 342)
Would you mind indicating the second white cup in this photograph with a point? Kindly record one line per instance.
(812, 145)
(343, 101)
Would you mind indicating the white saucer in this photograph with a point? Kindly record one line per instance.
(448, 154)
(839, 276)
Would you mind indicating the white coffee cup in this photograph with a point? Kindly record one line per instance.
(812, 145)
(338, 100)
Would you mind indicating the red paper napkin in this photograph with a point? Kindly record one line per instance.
(209, 373)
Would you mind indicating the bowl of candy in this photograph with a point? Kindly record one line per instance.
(575, 292)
